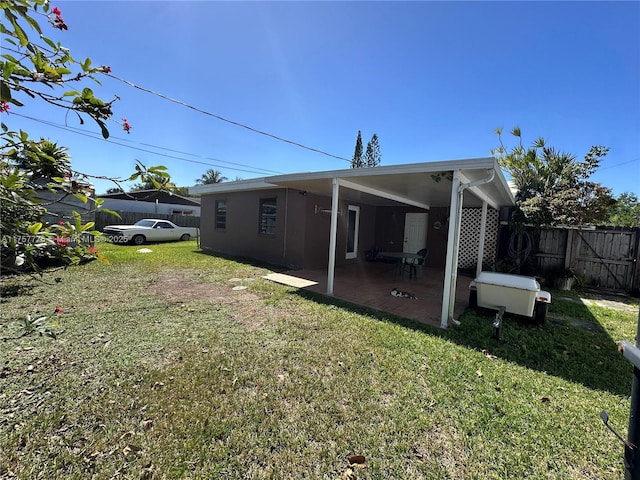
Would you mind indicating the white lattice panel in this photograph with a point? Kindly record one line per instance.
(469, 237)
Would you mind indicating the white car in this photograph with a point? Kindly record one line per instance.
(149, 230)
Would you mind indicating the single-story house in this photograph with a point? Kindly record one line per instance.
(61, 205)
(330, 218)
(151, 202)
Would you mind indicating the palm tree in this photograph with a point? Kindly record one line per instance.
(211, 176)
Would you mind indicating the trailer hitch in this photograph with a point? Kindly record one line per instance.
(497, 323)
(604, 415)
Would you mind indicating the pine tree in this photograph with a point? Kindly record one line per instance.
(372, 156)
(356, 161)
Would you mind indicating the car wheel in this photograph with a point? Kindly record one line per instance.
(185, 237)
(540, 313)
(138, 239)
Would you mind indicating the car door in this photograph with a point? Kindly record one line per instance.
(164, 231)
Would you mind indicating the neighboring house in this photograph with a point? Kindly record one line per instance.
(61, 205)
(152, 202)
(324, 219)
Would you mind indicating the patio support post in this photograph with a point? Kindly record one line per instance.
(450, 269)
(483, 231)
(333, 235)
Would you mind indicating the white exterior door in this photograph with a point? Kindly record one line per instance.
(353, 228)
(415, 232)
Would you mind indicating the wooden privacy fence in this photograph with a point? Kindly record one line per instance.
(605, 258)
(128, 218)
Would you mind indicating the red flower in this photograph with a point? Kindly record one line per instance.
(4, 107)
(60, 222)
(62, 241)
(93, 250)
(106, 69)
(58, 22)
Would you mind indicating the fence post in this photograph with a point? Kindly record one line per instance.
(570, 249)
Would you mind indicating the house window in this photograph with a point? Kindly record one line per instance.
(268, 212)
(182, 212)
(353, 227)
(221, 214)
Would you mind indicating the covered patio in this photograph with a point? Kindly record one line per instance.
(476, 183)
(327, 223)
(369, 284)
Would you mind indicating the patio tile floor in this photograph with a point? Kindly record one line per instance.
(370, 284)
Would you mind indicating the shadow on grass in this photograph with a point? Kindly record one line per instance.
(574, 347)
(12, 288)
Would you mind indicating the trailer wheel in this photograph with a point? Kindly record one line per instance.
(540, 313)
(473, 299)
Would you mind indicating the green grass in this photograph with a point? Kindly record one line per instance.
(161, 370)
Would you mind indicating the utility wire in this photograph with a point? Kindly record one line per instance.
(100, 138)
(619, 164)
(146, 90)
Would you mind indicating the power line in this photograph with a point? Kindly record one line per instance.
(109, 140)
(173, 100)
(619, 164)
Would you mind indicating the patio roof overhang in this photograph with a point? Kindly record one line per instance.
(422, 185)
(453, 183)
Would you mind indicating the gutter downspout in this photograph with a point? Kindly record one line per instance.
(451, 269)
(483, 232)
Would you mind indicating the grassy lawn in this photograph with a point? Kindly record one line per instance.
(164, 368)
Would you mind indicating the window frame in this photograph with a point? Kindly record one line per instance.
(267, 222)
(217, 224)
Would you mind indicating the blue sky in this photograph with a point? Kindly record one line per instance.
(432, 79)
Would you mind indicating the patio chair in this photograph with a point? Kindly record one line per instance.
(412, 264)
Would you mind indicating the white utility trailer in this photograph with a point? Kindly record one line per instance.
(515, 294)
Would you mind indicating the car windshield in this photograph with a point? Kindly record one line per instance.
(144, 223)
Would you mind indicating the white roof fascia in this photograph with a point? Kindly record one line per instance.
(381, 193)
(447, 165)
(237, 186)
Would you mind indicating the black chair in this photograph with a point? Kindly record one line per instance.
(413, 263)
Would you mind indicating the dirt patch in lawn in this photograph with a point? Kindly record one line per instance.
(244, 306)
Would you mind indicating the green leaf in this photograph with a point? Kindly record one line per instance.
(51, 43)
(87, 226)
(81, 197)
(33, 24)
(86, 65)
(71, 93)
(7, 69)
(110, 212)
(78, 220)
(35, 228)
(5, 92)
(22, 36)
(103, 127)
(10, 58)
